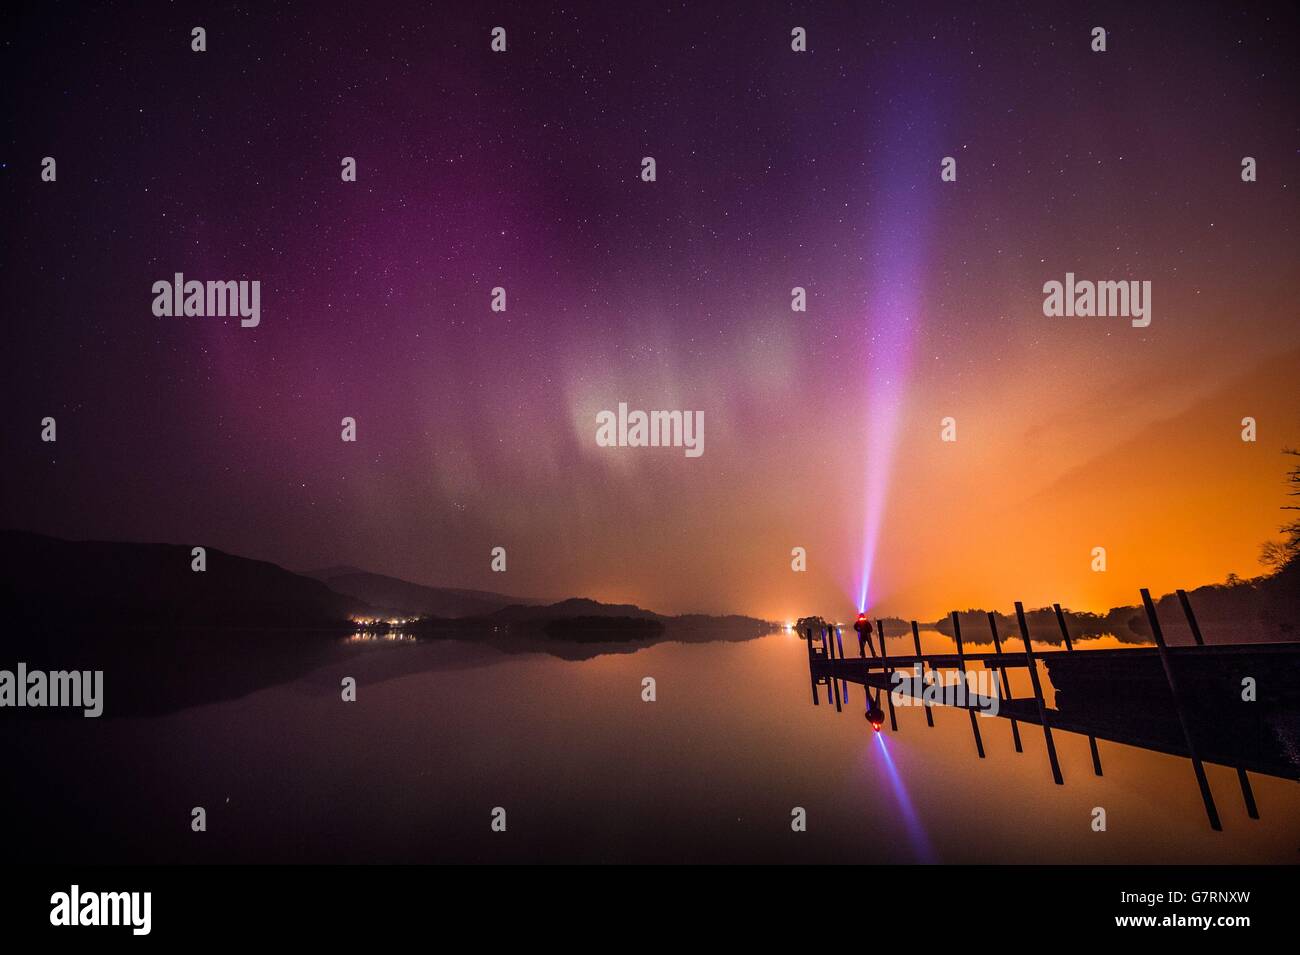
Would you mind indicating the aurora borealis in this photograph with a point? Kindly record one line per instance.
(775, 170)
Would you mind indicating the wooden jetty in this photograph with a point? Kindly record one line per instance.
(1184, 701)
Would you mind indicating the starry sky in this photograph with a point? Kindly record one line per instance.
(775, 169)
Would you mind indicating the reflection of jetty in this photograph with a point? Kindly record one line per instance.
(1236, 705)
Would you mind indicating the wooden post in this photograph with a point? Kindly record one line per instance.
(1191, 619)
(812, 674)
(834, 688)
(1060, 620)
(1006, 683)
(1038, 694)
(889, 675)
(961, 663)
(839, 642)
(1247, 794)
(1206, 796)
(916, 639)
(1065, 632)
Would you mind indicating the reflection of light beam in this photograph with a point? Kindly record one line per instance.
(915, 831)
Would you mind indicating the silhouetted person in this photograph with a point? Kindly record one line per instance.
(875, 715)
(863, 626)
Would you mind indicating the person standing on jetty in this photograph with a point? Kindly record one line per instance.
(863, 626)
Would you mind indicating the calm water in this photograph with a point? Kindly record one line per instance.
(443, 732)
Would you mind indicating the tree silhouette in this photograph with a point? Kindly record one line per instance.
(1283, 553)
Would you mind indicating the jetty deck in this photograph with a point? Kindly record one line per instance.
(1183, 701)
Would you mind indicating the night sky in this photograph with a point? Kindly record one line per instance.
(775, 169)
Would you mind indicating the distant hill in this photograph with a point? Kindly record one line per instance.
(703, 628)
(175, 638)
(604, 629)
(48, 580)
(621, 622)
(325, 573)
(579, 627)
(573, 607)
(50, 585)
(396, 596)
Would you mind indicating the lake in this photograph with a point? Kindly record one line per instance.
(444, 732)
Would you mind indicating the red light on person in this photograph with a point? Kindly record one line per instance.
(875, 715)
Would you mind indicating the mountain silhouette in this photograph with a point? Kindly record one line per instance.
(573, 607)
(47, 582)
(394, 596)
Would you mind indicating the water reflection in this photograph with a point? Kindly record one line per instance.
(442, 731)
(387, 636)
(1235, 705)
